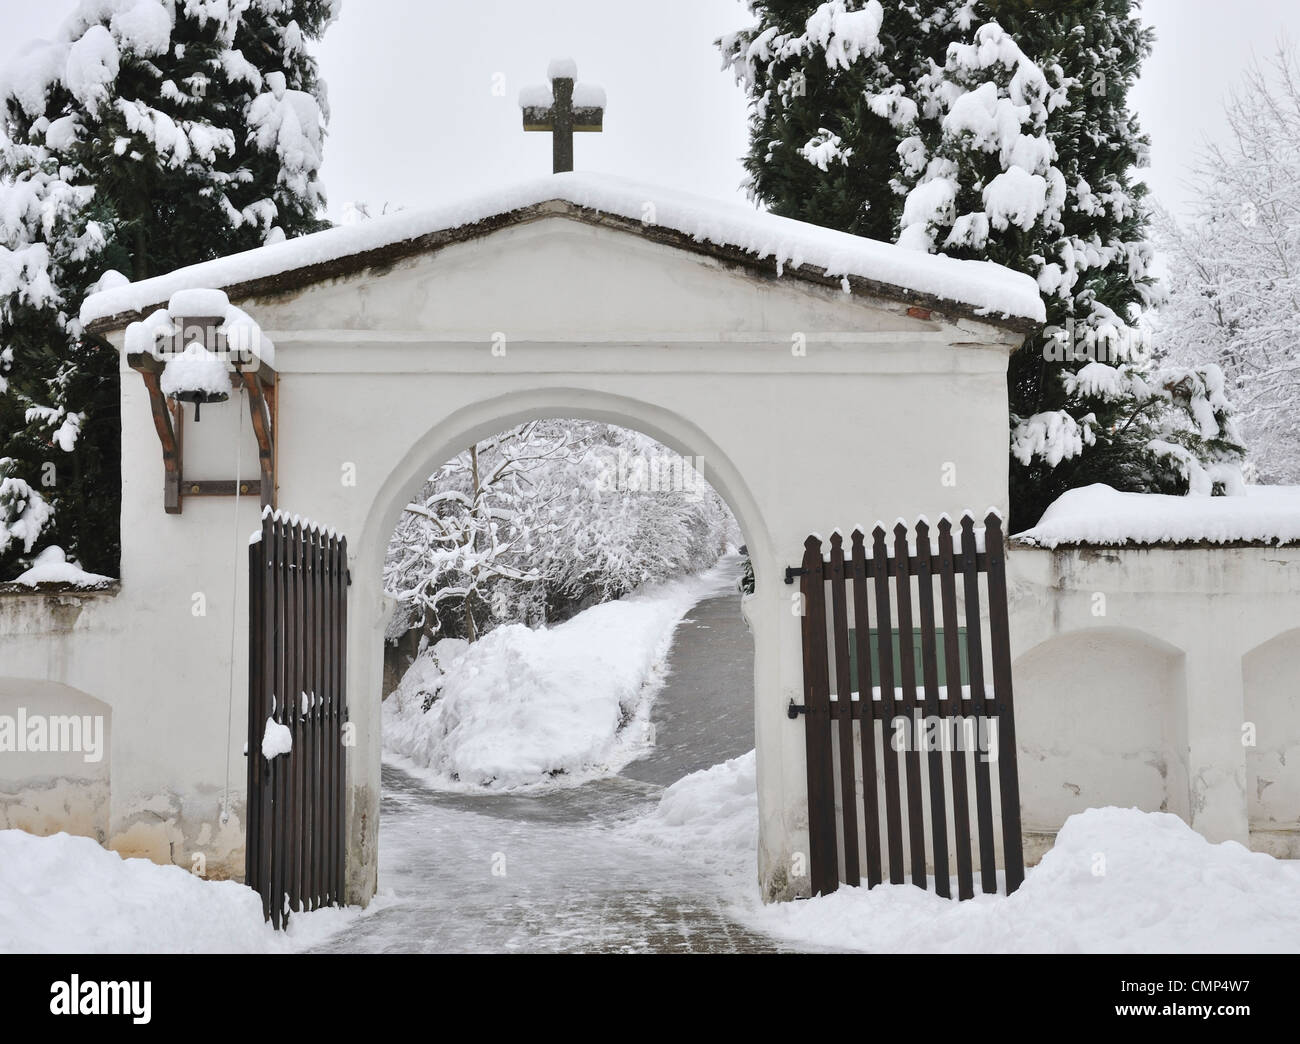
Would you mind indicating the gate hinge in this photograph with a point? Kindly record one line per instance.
(795, 709)
(791, 572)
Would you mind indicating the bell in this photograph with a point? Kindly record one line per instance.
(196, 375)
(199, 397)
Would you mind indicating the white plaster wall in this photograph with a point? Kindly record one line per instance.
(1171, 629)
(179, 694)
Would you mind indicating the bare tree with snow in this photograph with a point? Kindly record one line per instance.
(1235, 266)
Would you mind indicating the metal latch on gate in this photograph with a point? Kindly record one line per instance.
(795, 709)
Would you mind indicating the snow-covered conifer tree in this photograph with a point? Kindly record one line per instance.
(147, 135)
(997, 130)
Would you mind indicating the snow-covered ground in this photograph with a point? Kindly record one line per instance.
(1117, 880)
(65, 894)
(556, 706)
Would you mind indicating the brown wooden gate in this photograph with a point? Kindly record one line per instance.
(297, 698)
(882, 713)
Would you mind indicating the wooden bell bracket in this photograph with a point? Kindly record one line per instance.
(259, 381)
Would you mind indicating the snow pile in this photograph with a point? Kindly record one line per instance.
(52, 567)
(989, 288)
(276, 740)
(525, 708)
(244, 339)
(710, 816)
(588, 96)
(1117, 880)
(562, 68)
(200, 301)
(540, 96)
(65, 894)
(536, 96)
(196, 370)
(1098, 514)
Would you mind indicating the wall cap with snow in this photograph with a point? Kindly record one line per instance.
(762, 243)
(1098, 516)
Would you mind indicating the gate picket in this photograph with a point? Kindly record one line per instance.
(889, 706)
(867, 706)
(325, 873)
(979, 708)
(822, 859)
(956, 708)
(340, 676)
(279, 700)
(963, 713)
(1000, 643)
(297, 659)
(907, 679)
(292, 697)
(253, 809)
(933, 712)
(844, 711)
(309, 722)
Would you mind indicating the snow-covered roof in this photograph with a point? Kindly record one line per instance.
(974, 288)
(1101, 516)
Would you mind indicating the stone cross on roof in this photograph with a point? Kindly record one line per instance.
(562, 107)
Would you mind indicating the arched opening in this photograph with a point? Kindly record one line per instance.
(1072, 754)
(1272, 711)
(496, 778)
(500, 413)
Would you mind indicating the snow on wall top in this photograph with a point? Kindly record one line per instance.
(987, 288)
(559, 68)
(1100, 515)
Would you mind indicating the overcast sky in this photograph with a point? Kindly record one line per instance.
(419, 117)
